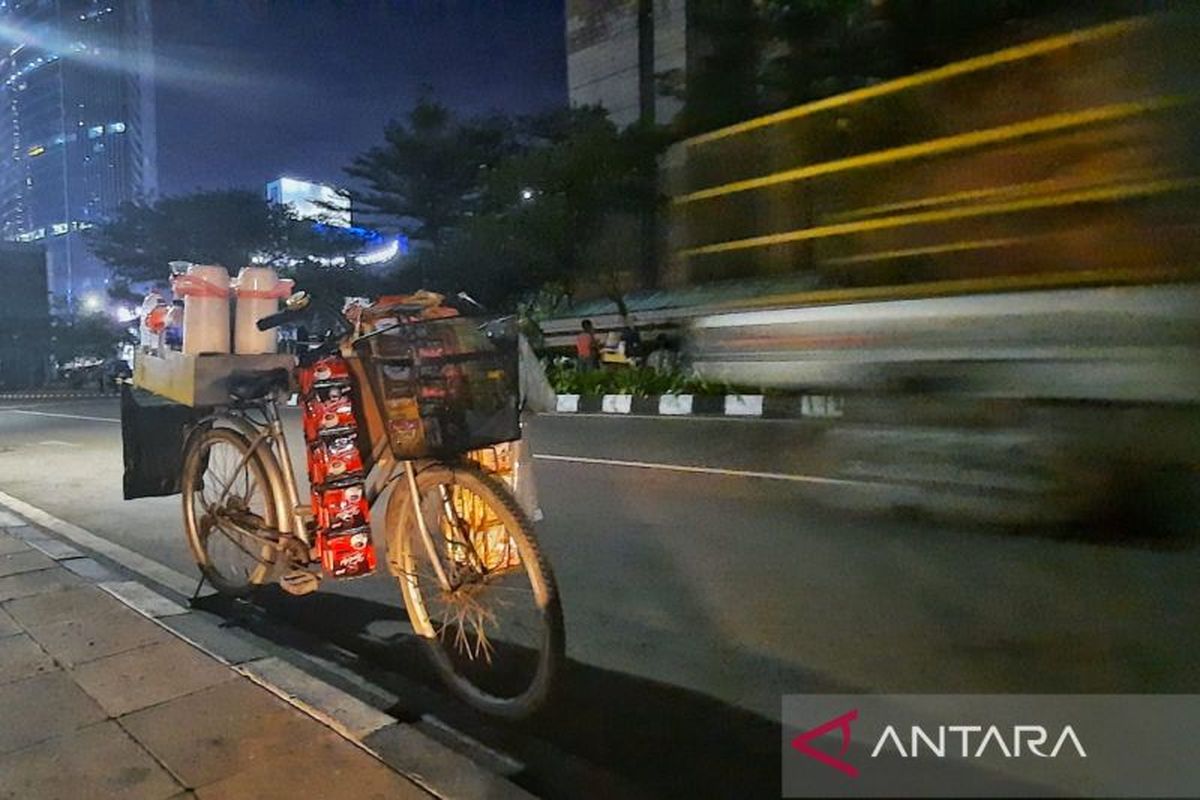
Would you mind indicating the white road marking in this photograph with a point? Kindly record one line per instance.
(127, 558)
(733, 473)
(61, 416)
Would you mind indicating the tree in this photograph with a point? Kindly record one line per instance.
(580, 175)
(230, 227)
(545, 210)
(94, 335)
(427, 175)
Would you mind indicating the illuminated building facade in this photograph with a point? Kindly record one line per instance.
(329, 209)
(77, 127)
(315, 201)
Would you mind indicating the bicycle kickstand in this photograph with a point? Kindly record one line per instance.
(196, 594)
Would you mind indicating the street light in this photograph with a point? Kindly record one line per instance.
(527, 194)
(93, 302)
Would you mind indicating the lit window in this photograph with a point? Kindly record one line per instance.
(36, 150)
(116, 127)
(95, 131)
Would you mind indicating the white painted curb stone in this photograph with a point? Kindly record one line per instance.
(675, 404)
(616, 403)
(743, 405)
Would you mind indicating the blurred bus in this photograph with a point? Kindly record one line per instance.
(1007, 243)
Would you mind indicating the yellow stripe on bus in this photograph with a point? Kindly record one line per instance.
(1026, 189)
(1106, 194)
(950, 247)
(1006, 56)
(1044, 280)
(1052, 123)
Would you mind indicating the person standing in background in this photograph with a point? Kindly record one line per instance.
(662, 358)
(631, 338)
(587, 349)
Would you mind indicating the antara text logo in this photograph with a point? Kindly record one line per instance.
(966, 741)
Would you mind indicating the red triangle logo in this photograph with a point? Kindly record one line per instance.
(842, 723)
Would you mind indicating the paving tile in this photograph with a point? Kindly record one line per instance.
(54, 548)
(24, 561)
(150, 675)
(20, 658)
(218, 731)
(89, 569)
(41, 707)
(78, 641)
(352, 714)
(327, 766)
(24, 532)
(40, 582)
(97, 762)
(450, 773)
(82, 602)
(9, 544)
(143, 598)
(225, 641)
(8, 627)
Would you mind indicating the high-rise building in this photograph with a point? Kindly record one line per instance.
(24, 316)
(77, 127)
(620, 51)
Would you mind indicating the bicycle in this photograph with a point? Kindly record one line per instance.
(475, 584)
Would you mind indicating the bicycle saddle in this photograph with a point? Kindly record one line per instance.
(247, 386)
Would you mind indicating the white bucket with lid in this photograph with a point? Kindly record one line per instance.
(205, 293)
(259, 291)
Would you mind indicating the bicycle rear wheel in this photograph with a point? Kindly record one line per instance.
(496, 636)
(227, 511)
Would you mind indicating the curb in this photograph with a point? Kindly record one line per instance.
(813, 406)
(444, 771)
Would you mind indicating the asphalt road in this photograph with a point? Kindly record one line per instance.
(708, 567)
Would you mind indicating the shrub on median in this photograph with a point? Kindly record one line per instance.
(636, 381)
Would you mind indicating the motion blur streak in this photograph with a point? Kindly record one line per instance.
(1009, 242)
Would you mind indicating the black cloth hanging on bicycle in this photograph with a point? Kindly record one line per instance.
(153, 431)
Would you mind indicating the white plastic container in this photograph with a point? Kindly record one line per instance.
(259, 291)
(205, 293)
(146, 338)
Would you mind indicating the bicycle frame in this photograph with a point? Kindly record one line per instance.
(269, 442)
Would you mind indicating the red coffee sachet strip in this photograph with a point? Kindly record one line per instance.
(335, 470)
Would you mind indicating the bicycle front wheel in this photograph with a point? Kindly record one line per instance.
(228, 511)
(495, 633)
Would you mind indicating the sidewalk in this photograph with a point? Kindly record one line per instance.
(98, 701)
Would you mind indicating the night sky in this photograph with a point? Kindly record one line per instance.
(251, 89)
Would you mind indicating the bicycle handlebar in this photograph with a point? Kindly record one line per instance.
(275, 320)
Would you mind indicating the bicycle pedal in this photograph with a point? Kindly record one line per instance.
(299, 582)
